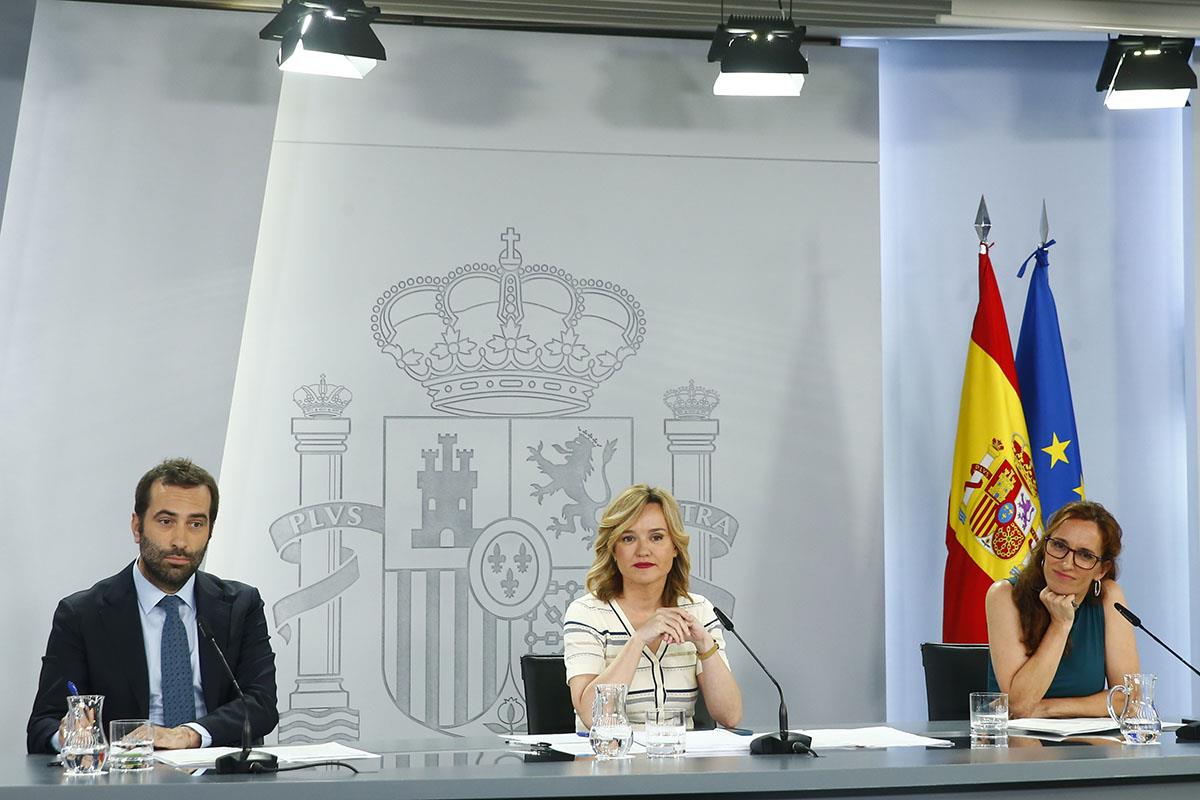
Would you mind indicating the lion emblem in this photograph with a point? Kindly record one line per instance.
(570, 477)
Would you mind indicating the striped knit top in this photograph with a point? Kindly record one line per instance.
(594, 633)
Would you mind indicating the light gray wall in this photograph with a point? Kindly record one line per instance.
(125, 254)
(15, 26)
(1019, 122)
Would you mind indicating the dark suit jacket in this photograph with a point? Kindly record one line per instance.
(96, 641)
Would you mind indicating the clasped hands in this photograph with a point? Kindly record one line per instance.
(675, 626)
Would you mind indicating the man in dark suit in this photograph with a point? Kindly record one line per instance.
(133, 637)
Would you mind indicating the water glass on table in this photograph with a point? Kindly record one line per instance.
(989, 719)
(666, 732)
(130, 744)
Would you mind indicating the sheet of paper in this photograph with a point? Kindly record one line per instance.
(716, 742)
(877, 736)
(291, 754)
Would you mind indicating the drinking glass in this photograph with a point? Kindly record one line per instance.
(989, 719)
(666, 732)
(130, 744)
(84, 749)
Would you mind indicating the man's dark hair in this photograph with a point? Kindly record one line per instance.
(176, 472)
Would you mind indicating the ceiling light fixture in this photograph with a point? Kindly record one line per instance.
(326, 37)
(760, 56)
(1147, 72)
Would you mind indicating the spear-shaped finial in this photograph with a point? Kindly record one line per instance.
(1045, 224)
(983, 223)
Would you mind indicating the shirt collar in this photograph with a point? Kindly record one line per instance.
(149, 595)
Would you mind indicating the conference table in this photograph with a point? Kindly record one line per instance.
(450, 769)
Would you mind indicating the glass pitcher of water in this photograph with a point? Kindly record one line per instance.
(611, 734)
(84, 748)
(1138, 721)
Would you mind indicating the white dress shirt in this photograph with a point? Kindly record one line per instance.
(153, 617)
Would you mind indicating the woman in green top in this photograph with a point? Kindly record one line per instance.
(1054, 635)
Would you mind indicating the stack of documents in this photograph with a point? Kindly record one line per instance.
(201, 757)
(1058, 729)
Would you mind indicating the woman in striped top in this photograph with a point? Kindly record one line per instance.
(638, 625)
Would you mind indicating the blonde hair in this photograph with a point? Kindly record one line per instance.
(604, 579)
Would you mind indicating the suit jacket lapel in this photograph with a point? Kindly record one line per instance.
(215, 610)
(122, 620)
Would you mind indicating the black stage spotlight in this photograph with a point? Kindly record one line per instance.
(1147, 72)
(760, 56)
(326, 37)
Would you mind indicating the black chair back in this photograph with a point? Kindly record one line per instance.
(548, 706)
(953, 671)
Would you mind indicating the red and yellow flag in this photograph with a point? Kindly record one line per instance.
(994, 516)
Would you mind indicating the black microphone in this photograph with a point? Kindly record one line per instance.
(247, 761)
(784, 742)
(1191, 729)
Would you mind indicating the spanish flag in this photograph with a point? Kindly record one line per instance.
(993, 516)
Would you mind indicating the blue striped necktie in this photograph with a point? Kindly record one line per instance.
(178, 694)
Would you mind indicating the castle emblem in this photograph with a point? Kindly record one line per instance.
(508, 339)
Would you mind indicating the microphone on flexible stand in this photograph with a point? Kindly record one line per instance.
(1191, 730)
(785, 742)
(247, 761)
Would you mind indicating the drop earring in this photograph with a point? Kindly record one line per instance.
(1096, 588)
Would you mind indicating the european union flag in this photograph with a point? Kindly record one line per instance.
(1046, 393)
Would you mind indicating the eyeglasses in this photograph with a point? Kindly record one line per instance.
(1084, 559)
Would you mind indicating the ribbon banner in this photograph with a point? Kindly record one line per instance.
(286, 533)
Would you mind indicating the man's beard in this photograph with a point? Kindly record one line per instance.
(154, 560)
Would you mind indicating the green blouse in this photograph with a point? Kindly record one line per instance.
(1081, 670)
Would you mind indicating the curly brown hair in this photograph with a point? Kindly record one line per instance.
(604, 579)
(1034, 617)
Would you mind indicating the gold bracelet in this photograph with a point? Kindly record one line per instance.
(709, 653)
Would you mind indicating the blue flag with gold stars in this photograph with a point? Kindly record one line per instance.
(1046, 393)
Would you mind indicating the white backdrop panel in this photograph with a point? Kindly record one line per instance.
(757, 277)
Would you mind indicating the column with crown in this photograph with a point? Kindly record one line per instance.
(319, 708)
(691, 441)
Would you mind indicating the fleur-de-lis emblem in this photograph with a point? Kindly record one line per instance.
(522, 559)
(497, 559)
(510, 584)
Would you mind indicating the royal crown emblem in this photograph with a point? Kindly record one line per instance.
(508, 339)
(691, 401)
(322, 399)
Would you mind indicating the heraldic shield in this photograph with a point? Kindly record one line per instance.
(998, 501)
(489, 524)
